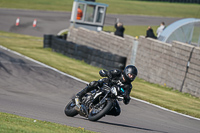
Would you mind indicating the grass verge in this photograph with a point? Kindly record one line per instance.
(156, 94)
(15, 124)
(150, 8)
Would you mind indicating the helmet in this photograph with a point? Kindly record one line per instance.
(130, 72)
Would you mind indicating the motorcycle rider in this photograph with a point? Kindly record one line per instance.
(117, 77)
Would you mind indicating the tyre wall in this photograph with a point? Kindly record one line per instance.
(88, 54)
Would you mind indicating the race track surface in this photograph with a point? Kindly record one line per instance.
(51, 22)
(33, 90)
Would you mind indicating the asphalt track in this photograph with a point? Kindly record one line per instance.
(51, 22)
(31, 89)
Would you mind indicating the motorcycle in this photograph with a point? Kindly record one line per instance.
(97, 103)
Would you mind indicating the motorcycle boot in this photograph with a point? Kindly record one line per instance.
(78, 105)
(78, 99)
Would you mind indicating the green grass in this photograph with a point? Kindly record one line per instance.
(152, 8)
(115, 6)
(166, 97)
(15, 124)
(157, 94)
(59, 5)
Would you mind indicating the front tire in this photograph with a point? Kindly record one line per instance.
(69, 109)
(94, 117)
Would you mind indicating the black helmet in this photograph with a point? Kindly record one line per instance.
(130, 72)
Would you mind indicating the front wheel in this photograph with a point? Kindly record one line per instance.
(96, 114)
(69, 109)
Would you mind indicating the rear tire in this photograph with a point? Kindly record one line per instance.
(69, 109)
(102, 113)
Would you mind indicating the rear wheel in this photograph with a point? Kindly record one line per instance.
(97, 113)
(69, 109)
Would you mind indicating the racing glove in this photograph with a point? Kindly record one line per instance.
(126, 100)
(104, 73)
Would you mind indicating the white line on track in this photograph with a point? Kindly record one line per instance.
(87, 82)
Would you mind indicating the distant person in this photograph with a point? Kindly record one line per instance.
(119, 29)
(160, 29)
(79, 13)
(150, 33)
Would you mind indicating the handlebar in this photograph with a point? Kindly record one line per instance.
(120, 98)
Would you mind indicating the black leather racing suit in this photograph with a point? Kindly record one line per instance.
(115, 77)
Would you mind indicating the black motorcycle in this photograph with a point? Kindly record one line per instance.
(96, 103)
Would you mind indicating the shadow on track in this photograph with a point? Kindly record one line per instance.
(122, 125)
(128, 126)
